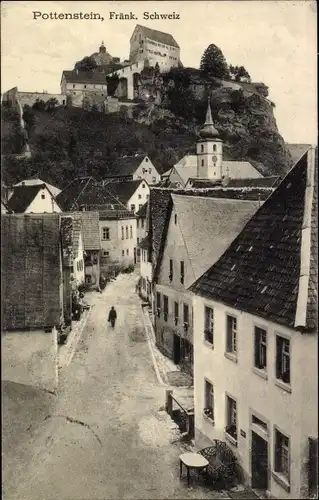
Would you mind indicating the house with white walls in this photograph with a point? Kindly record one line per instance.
(35, 199)
(256, 342)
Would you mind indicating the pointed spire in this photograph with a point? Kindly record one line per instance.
(208, 131)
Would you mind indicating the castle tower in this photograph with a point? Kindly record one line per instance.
(102, 49)
(209, 150)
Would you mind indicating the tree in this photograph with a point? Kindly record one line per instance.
(51, 104)
(86, 64)
(239, 74)
(214, 63)
(39, 105)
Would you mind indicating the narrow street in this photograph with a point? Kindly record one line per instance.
(106, 436)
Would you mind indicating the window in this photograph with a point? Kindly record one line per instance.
(202, 163)
(170, 276)
(126, 232)
(142, 222)
(153, 180)
(139, 207)
(209, 325)
(186, 317)
(158, 303)
(122, 232)
(73, 85)
(131, 232)
(88, 279)
(283, 359)
(133, 208)
(176, 313)
(282, 459)
(202, 148)
(106, 253)
(143, 185)
(138, 240)
(165, 307)
(231, 417)
(231, 334)
(105, 233)
(147, 196)
(209, 400)
(122, 253)
(187, 351)
(214, 147)
(139, 196)
(127, 252)
(149, 170)
(175, 218)
(85, 86)
(137, 223)
(182, 272)
(260, 348)
(43, 196)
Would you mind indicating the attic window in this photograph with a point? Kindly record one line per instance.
(250, 249)
(143, 185)
(43, 196)
(146, 159)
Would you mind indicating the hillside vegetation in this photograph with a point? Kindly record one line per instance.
(68, 142)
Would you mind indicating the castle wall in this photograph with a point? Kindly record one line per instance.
(29, 98)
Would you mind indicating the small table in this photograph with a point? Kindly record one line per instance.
(192, 461)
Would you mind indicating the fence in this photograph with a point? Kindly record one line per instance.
(182, 417)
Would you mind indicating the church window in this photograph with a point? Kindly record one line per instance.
(214, 147)
(202, 163)
(202, 148)
(73, 85)
(85, 86)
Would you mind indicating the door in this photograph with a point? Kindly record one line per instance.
(259, 462)
(177, 349)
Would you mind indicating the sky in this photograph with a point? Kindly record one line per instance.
(274, 40)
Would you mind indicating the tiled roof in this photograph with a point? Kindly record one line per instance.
(160, 204)
(270, 182)
(186, 171)
(209, 225)
(115, 214)
(31, 277)
(90, 229)
(34, 182)
(68, 198)
(84, 77)
(125, 166)
(145, 243)
(123, 190)
(158, 36)
(297, 151)
(265, 272)
(240, 170)
(142, 211)
(22, 197)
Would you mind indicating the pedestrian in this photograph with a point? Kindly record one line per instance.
(112, 316)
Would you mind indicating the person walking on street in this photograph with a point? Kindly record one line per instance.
(112, 316)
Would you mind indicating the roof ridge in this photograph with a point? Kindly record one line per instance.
(305, 244)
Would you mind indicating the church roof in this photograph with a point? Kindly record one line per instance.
(208, 131)
(297, 150)
(270, 270)
(158, 36)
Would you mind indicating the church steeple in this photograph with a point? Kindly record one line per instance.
(209, 150)
(208, 131)
(102, 49)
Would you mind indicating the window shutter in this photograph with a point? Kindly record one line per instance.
(256, 347)
(206, 318)
(278, 357)
(277, 451)
(313, 466)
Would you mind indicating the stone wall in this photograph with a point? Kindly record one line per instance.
(30, 358)
(30, 98)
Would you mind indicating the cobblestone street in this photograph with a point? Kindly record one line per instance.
(105, 435)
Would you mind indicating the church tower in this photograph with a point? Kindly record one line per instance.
(102, 49)
(209, 150)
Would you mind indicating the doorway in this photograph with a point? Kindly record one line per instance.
(177, 349)
(259, 462)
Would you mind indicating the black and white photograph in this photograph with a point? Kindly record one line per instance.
(159, 250)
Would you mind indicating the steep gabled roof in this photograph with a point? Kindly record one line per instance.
(145, 243)
(125, 166)
(158, 36)
(240, 170)
(76, 235)
(90, 229)
(84, 77)
(23, 196)
(124, 190)
(142, 211)
(35, 181)
(214, 225)
(297, 151)
(270, 269)
(70, 195)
